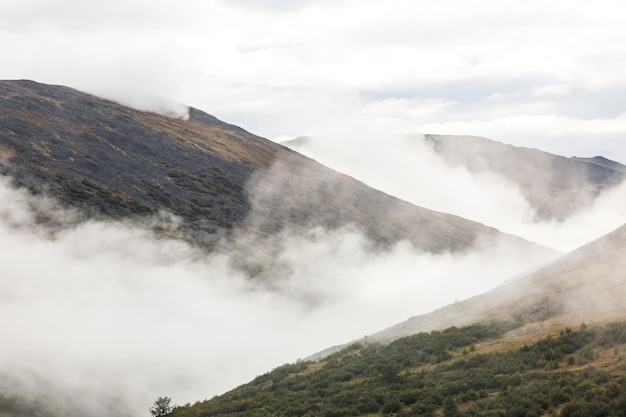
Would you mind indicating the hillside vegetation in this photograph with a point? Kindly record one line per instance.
(456, 372)
(100, 160)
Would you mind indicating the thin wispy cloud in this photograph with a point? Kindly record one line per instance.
(408, 168)
(112, 311)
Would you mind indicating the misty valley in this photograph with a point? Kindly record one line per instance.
(171, 264)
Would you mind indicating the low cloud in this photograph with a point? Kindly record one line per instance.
(146, 102)
(103, 317)
(408, 168)
(606, 214)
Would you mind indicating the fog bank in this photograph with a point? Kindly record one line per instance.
(407, 167)
(104, 317)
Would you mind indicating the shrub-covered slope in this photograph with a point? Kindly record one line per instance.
(456, 372)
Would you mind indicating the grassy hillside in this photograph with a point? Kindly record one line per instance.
(455, 372)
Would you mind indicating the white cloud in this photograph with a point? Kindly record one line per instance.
(107, 310)
(499, 97)
(552, 90)
(350, 71)
(606, 214)
(251, 63)
(402, 109)
(495, 97)
(407, 168)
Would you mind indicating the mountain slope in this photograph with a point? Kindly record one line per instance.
(517, 354)
(110, 161)
(555, 186)
(587, 285)
(456, 372)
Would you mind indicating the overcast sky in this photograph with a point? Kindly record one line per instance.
(546, 74)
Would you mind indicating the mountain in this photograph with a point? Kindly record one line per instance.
(457, 372)
(548, 343)
(518, 354)
(109, 161)
(555, 186)
(585, 285)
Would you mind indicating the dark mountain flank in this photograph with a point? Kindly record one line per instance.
(555, 186)
(113, 162)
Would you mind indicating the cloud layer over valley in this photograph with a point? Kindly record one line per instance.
(407, 167)
(104, 317)
(102, 314)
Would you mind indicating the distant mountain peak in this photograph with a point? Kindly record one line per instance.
(555, 186)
